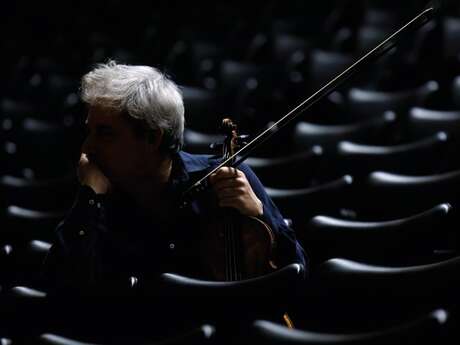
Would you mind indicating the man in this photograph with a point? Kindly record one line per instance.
(125, 225)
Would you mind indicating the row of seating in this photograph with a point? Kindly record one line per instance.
(350, 288)
(370, 175)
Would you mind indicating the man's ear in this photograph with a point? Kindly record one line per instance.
(155, 138)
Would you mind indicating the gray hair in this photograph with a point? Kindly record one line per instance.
(143, 92)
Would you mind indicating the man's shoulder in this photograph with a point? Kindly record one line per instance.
(196, 162)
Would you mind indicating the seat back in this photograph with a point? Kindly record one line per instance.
(430, 325)
(402, 241)
(425, 156)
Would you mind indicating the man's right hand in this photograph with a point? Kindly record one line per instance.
(90, 175)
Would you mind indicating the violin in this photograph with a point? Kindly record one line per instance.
(233, 246)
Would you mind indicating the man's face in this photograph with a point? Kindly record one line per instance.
(113, 146)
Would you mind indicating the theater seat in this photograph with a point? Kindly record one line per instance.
(26, 292)
(269, 295)
(59, 340)
(294, 170)
(456, 91)
(424, 121)
(348, 295)
(232, 74)
(200, 142)
(371, 130)
(25, 224)
(28, 263)
(204, 334)
(264, 285)
(13, 114)
(45, 147)
(285, 45)
(451, 36)
(395, 195)
(299, 204)
(435, 282)
(425, 327)
(425, 156)
(48, 194)
(364, 103)
(200, 109)
(403, 241)
(323, 65)
(6, 268)
(368, 36)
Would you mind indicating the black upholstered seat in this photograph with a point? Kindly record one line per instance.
(364, 103)
(21, 224)
(200, 109)
(456, 92)
(204, 334)
(424, 121)
(301, 203)
(411, 239)
(368, 36)
(42, 147)
(28, 263)
(232, 75)
(200, 142)
(40, 194)
(420, 157)
(436, 282)
(294, 170)
(397, 195)
(26, 308)
(285, 45)
(269, 294)
(323, 65)
(451, 36)
(371, 130)
(427, 326)
(265, 285)
(347, 295)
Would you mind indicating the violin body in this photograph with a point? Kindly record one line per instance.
(234, 247)
(252, 250)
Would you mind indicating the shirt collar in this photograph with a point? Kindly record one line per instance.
(186, 166)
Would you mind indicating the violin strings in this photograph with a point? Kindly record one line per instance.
(235, 254)
(238, 253)
(232, 264)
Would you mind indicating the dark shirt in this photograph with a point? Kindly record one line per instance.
(106, 238)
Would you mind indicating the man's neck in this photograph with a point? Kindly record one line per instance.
(149, 192)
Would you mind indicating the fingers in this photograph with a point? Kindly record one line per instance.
(232, 189)
(229, 192)
(89, 174)
(236, 202)
(227, 179)
(84, 159)
(225, 173)
(246, 204)
(230, 183)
